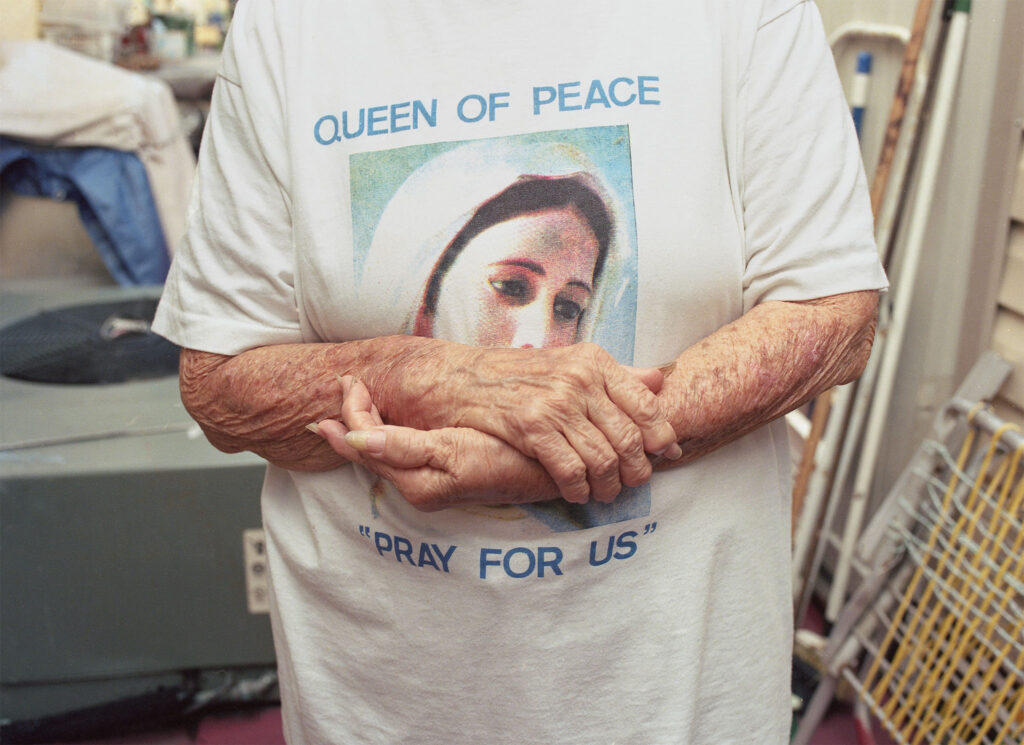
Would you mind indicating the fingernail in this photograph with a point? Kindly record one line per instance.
(672, 452)
(366, 440)
(314, 428)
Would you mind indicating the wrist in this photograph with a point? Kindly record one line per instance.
(406, 378)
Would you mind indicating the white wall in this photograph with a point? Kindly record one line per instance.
(19, 19)
(869, 26)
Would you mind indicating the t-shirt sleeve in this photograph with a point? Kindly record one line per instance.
(807, 217)
(231, 284)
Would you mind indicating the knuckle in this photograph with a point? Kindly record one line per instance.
(540, 422)
(572, 482)
(448, 451)
(535, 436)
(534, 417)
(639, 475)
(573, 363)
(573, 474)
(631, 443)
(424, 497)
(606, 466)
(647, 415)
(647, 405)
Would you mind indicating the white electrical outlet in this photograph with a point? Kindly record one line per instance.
(254, 552)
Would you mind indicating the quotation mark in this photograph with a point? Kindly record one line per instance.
(364, 531)
(650, 527)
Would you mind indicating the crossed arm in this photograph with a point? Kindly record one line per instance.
(450, 424)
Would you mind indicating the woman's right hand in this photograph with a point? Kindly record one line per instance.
(434, 469)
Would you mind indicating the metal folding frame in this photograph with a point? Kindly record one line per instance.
(932, 641)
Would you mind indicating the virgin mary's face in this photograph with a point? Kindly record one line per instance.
(524, 282)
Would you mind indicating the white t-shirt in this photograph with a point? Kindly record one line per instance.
(350, 147)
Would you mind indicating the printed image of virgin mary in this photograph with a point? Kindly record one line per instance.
(499, 243)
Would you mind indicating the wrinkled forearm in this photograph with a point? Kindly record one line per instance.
(771, 360)
(262, 400)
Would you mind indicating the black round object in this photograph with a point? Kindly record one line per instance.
(94, 343)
